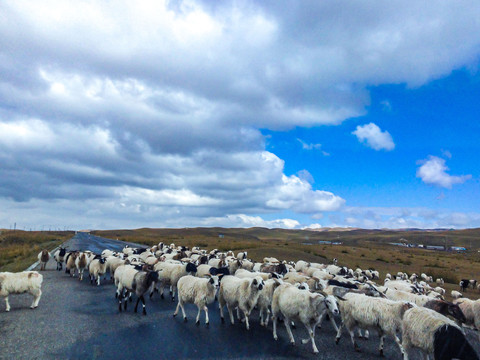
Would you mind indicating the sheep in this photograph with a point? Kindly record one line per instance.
(59, 257)
(264, 301)
(440, 306)
(242, 255)
(456, 295)
(198, 291)
(170, 274)
(242, 274)
(464, 284)
(276, 268)
(388, 276)
(70, 263)
(112, 263)
(401, 285)
(440, 282)
(471, 310)
(372, 313)
(97, 268)
(247, 265)
(81, 263)
(439, 290)
(43, 258)
(241, 294)
(300, 265)
(434, 334)
(135, 281)
(303, 306)
(19, 283)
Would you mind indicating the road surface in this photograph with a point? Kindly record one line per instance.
(76, 320)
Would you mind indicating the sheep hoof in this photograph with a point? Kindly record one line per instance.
(337, 340)
(207, 323)
(185, 319)
(275, 338)
(197, 323)
(381, 353)
(223, 320)
(174, 315)
(144, 312)
(292, 343)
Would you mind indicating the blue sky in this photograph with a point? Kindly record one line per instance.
(238, 114)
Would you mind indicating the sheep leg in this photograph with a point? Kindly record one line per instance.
(207, 321)
(220, 306)
(397, 340)
(98, 280)
(334, 324)
(339, 333)
(268, 318)
(289, 330)
(246, 313)
(352, 336)
(37, 294)
(197, 321)
(311, 334)
(382, 340)
(136, 304)
(230, 312)
(274, 322)
(7, 304)
(144, 309)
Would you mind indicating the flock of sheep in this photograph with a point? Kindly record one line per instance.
(295, 293)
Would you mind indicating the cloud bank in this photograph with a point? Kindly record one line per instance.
(151, 112)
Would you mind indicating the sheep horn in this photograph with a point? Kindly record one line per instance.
(321, 292)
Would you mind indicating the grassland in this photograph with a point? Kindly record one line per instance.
(19, 249)
(359, 248)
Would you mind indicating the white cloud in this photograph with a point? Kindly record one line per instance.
(374, 137)
(434, 171)
(306, 146)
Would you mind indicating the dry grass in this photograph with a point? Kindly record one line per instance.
(364, 249)
(19, 249)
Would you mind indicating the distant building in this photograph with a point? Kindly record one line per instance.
(434, 247)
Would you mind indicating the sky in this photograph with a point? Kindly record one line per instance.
(129, 114)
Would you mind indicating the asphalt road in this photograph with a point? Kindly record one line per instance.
(76, 320)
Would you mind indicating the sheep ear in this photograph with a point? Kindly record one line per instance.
(211, 281)
(255, 282)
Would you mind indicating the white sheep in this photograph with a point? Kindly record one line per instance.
(471, 310)
(456, 294)
(19, 283)
(43, 258)
(302, 306)
(241, 294)
(59, 257)
(96, 269)
(264, 301)
(243, 274)
(369, 313)
(81, 263)
(434, 334)
(198, 291)
(169, 274)
(134, 281)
